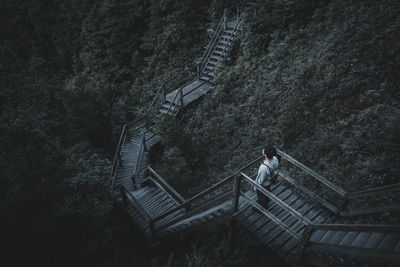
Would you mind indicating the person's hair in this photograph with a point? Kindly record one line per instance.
(270, 151)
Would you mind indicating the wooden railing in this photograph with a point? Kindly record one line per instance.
(209, 197)
(231, 188)
(345, 197)
(306, 244)
(129, 199)
(166, 87)
(214, 40)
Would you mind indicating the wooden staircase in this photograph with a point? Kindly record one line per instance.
(299, 224)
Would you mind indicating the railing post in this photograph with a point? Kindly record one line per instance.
(236, 192)
(164, 92)
(345, 203)
(123, 195)
(144, 142)
(119, 163)
(152, 230)
(225, 23)
(303, 243)
(147, 121)
(134, 180)
(198, 69)
(181, 96)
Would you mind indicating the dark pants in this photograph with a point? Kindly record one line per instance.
(262, 199)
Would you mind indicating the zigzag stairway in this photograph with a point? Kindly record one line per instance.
(299, 224)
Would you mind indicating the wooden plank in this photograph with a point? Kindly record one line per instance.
(149, 196)
(291, 244)
(348, 239)
(272, 217)
(196, 210)
(337, 237)
(268, 225)
(166, 187)
(361, 239)
(158, 208)
(320, 178)
(282, 240)
(354, 252)
(291, 221)
(358, 227)
(273, 198)
(397, 247)
(375, 240)
(198, 196)
(389, 242)
(154, 201)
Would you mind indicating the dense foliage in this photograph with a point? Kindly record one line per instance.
(317, 78)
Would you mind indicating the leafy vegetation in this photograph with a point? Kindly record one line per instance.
(317, 78)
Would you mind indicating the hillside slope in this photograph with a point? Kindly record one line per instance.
(319, 79)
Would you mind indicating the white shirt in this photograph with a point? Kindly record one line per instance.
(264, 177)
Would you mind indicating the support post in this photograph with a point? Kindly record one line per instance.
(198, 70)
(126, 133)
(147, 121)
(181, 96)
(119, 158)
(123, 195)
(164, 92)
(144, 142)
(225, 23)
(303, 243)
(345, 203)
(236, 192)
(152, 231)
(232, 230)
(134, 180)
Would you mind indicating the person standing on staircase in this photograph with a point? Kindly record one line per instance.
(266, 173)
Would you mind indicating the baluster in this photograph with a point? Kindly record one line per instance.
(152, 230)
(164, 92)
(123, 195)
(181, 96)
(236, 192)
(303, 242)
(147, 121)
(144, 142)
(225, 23)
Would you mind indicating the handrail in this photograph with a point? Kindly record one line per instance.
(307, 191)
(318, 177)
(116, 156)
(364, 211)
(141, 211)
(212, 43)
(357, 227)
(374, 191)
(175, 195)
(140, 155)
(195, 211)
(206, 191)
(275, 199)
(272, 217)
(194, 198)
